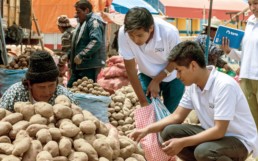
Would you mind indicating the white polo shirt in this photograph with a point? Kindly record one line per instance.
(223, 99)
(151, 58)
(249, 53)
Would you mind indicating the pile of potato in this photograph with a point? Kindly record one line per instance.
(63, 132)
(21, 61)
(121, 109)
(86, 85)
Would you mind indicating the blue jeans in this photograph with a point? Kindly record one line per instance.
(171, 92)
(79, 74)
(228, 148)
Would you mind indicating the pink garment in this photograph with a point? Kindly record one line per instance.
(143, 117)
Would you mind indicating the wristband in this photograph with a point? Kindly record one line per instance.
(167, 72)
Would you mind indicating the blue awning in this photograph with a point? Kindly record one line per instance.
(123, 6)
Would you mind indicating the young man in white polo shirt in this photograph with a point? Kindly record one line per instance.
(145, 42)
(227, 131)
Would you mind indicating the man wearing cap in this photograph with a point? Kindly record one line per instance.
(88, 55)
(214, 52)
(40, 83)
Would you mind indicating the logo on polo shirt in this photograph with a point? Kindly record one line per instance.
(159, 49)
(211, 105)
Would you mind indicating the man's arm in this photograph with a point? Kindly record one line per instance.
(153, 87)
(131, 70)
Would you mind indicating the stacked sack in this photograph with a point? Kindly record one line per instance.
(113, 76)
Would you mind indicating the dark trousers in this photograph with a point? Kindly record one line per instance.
(226, 149)
(171, 92)
(79, 74)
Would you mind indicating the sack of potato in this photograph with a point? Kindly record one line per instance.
(63, 132)
(121, 109)
(86, 85)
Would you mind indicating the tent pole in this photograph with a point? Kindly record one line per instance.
(3, 52)
(208, 33)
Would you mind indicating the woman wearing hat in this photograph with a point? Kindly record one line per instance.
(40, 83)
(214, 52)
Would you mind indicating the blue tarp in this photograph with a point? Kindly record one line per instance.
(123, 6)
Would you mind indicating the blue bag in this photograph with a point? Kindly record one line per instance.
(160, 112)
(9, 76)
(97, 105)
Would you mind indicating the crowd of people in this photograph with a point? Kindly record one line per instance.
(159, 65)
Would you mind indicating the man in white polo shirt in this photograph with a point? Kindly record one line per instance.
(227, 130)
(145, 42)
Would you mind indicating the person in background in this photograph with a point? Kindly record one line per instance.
(248, 56)
(40, 83)
(88, 54)
(223, 111)
(146, 42)
(67, 30)
(215, 53)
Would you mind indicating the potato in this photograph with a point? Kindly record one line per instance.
(77, 119)
(64, 100)
(44, 136)
(21, 146)
(52, 148)
(82, 145)
(126, 148)
(5, 139)
(44, 156)
(2, 113)
(6, 148)
(103, 148)
(60, 158)
(33, 151)
(119, 159)
(25, 108)
(76, 109)
(62, 111)
(88, 127)
(103, 159)
(102, 129)
(78, 156)
(22, 134)
(38, 119)
(13, 118)
(65, 146)
(5, 128)
(131, 159)
(21, 125)
(55, 133)
(11, 158)
(34, 128)
(138, 157)
(44, 109)
(62, 120)
(69, 129)
(90, 138)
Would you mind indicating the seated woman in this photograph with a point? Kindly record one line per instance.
(40, 83)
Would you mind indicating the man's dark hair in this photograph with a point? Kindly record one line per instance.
(186, 52)
(137, 18)
(83, 5)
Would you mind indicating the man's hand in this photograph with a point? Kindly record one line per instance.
(77, 59)
(153, 89)
(173, 146)
(138, 134)
(225, 45)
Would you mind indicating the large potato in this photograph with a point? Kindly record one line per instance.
(21, 125)
(44, 156)
(69, 129)
(5, 128)
(44, 109)
(13, 118)
(64, 100)
(33, 151)
(62, 111)
(82, 145)
(52, 148)
(65, 146)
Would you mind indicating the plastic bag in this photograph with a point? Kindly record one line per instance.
(160, 112)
